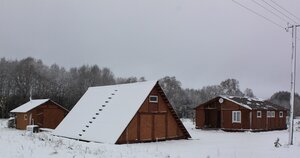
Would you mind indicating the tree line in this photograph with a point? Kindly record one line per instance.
(185, 100)
(20, 79)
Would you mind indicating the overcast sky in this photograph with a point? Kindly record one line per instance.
(201, 42)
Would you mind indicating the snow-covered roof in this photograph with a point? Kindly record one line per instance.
(231, 98)
(29, 105)
(253, 103)
(102, 114)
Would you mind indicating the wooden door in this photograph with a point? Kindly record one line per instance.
(160, 126)
(146, 123)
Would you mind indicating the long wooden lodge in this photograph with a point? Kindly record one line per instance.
(240, 113)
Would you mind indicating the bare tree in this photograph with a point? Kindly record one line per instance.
(231, 87)
(249, 93)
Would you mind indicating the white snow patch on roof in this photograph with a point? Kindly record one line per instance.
(258, 99)
(29, 105)
(243, 105)
(106, 110)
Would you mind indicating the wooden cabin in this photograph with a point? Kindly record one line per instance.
(42, 112)
(126, 113)
(240, 113)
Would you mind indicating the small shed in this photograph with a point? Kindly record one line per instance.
(240, 113)
(125, 113)
(42, 112)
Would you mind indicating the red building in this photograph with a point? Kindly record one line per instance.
(42, 112)
(239, 113)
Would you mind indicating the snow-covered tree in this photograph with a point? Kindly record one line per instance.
(249, 93)
(175, 94)
(231, 87)
(283, 98)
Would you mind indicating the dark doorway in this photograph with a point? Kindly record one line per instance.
(212, 118)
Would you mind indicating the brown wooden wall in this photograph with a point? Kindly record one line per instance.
(265, 123)
(152, 122)
(47, 115)
(247, 122)
(200, 117)
(21, 122)
(227, 108)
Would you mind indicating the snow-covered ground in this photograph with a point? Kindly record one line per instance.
(204, 144)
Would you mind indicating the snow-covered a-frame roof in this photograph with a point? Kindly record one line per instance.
(103, 112)
(29, 105)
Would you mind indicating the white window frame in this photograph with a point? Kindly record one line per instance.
(153, 101)
(271, 114)
(25, 116)
(236, 117)
(281, 114)
(258, 114)
(268, 114)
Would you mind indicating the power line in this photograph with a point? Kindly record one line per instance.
(270, 11)
(279, 11)
(285, 10)
(256, 13)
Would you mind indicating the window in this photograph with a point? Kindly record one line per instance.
(273, 114)
(153, 99)
(236, 116)
(258, 114)
(280, 114)
(25, 116)
(270, 114)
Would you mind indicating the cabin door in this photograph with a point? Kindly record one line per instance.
(212, 118)
(146, 127)
(160, 126)
(153, 126)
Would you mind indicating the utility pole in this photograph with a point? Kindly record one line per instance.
(293, 79)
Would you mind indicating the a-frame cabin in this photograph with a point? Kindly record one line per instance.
(126, 113)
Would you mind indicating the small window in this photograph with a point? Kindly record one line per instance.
(270, 114)
(25, 116)
(236, 116)
(280, 114)
(273, 114)
(153, 99)
(258, 114)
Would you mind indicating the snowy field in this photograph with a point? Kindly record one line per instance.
(204, 144)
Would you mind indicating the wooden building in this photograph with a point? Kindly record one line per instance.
(42, 112)
(239, 113)
(126, 113)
